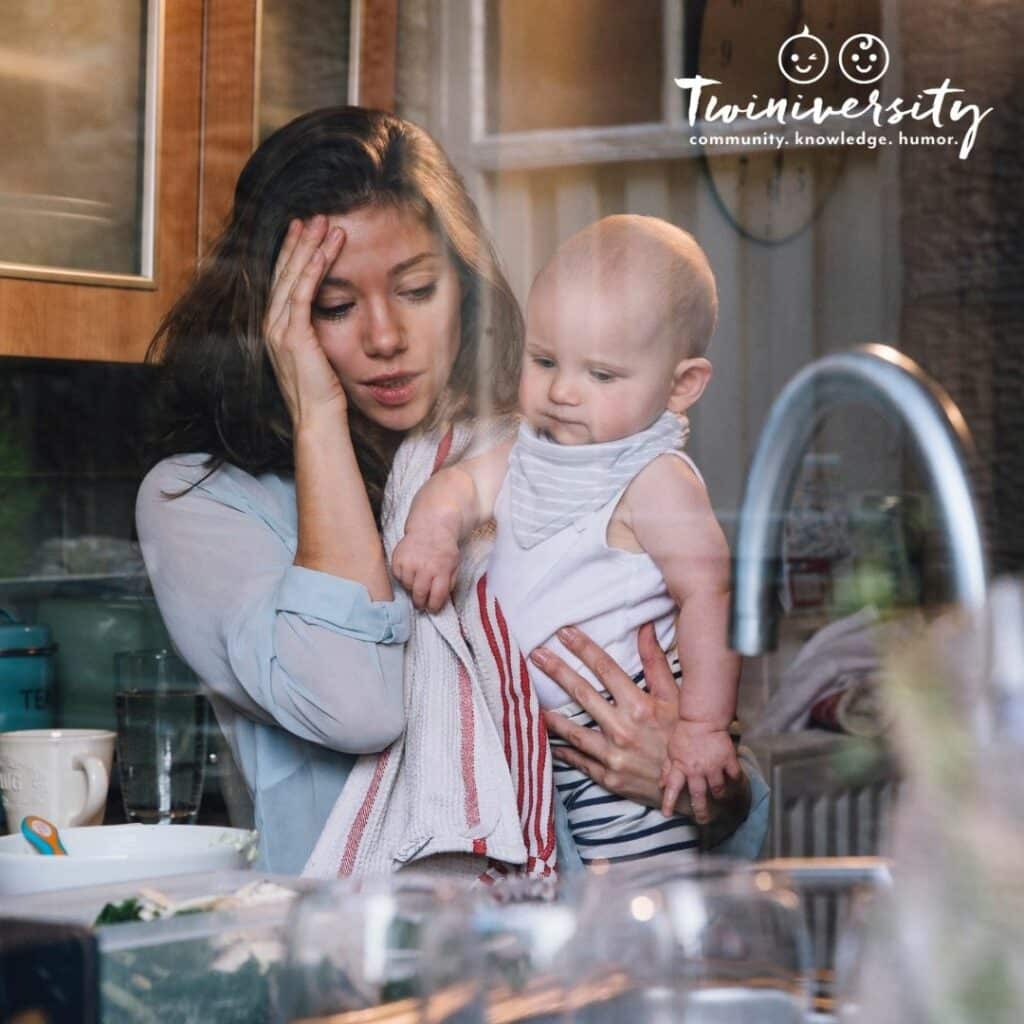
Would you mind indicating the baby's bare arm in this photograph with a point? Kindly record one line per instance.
(445, 511)
(671, 517)
(460, 498)
(668, 510)
(488, 473)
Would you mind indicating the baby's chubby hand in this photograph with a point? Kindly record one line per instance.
(425, 562)
(699, 757)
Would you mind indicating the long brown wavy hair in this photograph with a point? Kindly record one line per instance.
(216, 391)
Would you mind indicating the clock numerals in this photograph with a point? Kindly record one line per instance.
(771, 197)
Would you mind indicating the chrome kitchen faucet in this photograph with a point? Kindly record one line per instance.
(898, 386)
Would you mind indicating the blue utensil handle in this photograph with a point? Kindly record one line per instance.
(43, 836)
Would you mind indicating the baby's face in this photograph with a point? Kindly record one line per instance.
(598, 366)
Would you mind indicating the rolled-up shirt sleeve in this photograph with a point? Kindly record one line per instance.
(304, 649)
(344, 606)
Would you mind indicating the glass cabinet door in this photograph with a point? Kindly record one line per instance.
(79, 85)
(304, 59)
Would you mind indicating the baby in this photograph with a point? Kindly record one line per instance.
(602, 521)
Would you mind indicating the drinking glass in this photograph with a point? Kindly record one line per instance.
(161, 737)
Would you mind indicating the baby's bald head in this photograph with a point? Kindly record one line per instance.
(657, 270)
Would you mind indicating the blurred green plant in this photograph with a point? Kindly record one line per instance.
(884, 567)
(954, 920)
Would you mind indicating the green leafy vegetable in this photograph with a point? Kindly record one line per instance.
(118, 913)
(175, 984)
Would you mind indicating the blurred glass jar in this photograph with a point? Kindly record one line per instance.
(394, 945)
(519, 949)
(705, 942)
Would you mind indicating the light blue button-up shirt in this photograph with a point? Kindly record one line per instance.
(303, 669)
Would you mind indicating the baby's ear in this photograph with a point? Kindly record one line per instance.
(689, 379)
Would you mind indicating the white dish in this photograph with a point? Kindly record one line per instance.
(122, 853)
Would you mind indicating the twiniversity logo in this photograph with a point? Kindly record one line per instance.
(863, 59)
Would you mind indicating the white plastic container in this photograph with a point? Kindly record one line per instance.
(121, 853)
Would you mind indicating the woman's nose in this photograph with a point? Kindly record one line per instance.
(383, 335)
(563, 391)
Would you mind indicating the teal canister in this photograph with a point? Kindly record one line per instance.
(27, 675)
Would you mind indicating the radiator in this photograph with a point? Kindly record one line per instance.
(831, 797)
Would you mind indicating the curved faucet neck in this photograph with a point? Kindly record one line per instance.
(900, 389)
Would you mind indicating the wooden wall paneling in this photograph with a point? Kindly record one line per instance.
(850, 265)
(720, 442)
(577, 200)
(74, 321)
(684, 183)
(544, 229)
(647, 189)
(850, 295)
(511, 221)
(780, 299)
(611, 187)
(377, 27)
(778, 318)
(229, 79)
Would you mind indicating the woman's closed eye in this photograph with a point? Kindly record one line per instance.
(340, 310)
(336, 312)
(421, 293)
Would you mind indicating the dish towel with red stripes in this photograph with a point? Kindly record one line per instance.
(467, 790)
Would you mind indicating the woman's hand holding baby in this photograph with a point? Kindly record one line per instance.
(306, 378)
(626, 753)
(700, 758)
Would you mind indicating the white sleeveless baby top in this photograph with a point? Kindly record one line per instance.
(573, 577)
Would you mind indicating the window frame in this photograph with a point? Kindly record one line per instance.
(527, 150)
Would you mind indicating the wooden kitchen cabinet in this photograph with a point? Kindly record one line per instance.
(207, 125)
(66, 320)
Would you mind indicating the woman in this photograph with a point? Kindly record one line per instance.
(344, 308)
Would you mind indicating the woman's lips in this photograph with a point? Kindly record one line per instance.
(393, 390)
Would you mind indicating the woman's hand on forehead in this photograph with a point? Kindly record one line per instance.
(306, 378)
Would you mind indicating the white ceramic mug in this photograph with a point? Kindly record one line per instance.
(60, 774)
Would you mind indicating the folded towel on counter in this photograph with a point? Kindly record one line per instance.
(842, 658)
(466, 791)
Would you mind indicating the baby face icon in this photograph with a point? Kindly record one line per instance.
(803, 58)
(864, 58)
